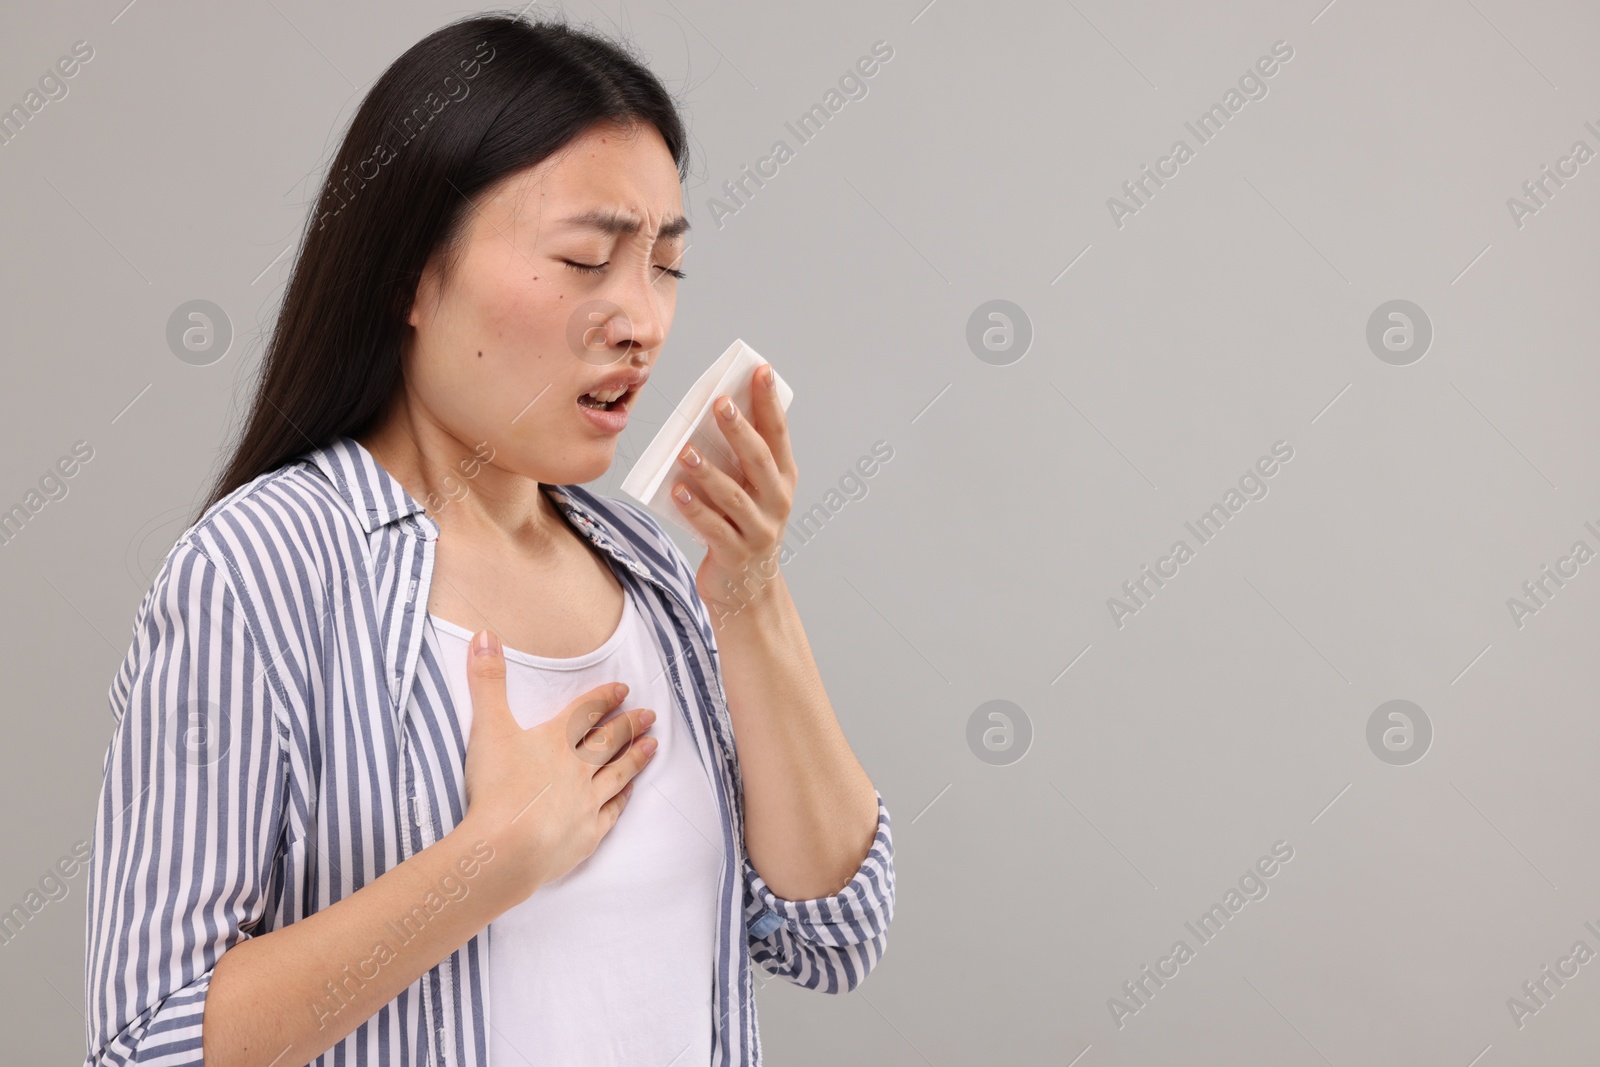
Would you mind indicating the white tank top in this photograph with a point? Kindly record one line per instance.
(613, 962)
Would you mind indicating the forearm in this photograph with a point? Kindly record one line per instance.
(285, 997)
(810, 809)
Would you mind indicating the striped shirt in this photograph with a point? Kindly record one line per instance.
(284, 735)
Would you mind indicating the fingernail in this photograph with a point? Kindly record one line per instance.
(485, 643)
(725, 408)
(682, 494)
(691, 458)
(766, 375)
(646, 718)
(649, 744)
(621, 690)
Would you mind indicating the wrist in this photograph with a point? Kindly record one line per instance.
(499, 881)
(765, 619)
(753, 605)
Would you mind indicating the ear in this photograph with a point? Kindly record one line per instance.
(427, 293)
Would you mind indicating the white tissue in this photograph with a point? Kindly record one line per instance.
(651, 480)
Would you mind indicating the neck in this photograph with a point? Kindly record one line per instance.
(458, 484)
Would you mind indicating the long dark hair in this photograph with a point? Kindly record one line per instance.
(464, 107)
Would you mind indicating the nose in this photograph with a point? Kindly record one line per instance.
(636, 326)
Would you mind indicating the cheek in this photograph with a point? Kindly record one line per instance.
(515, 321)
(455, 387)
(520, 321)
(526, 324)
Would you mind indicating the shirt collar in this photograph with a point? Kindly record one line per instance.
(378, 499)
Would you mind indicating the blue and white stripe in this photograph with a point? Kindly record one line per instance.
(284, 735)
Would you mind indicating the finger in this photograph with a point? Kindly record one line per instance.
(614, 776)
(755, 456)
(711, 525)
(611, 810)
(588, 711)
(719, 490)
(602, 744)
(486, 683)
(771, 421)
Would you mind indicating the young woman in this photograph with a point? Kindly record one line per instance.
(426, 754)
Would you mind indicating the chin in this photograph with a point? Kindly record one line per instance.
(584, 468)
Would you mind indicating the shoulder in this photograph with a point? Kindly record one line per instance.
(269, 552)
(280, 544)
(289, 521)
(632, 523)
(238, 563)
(639, 532)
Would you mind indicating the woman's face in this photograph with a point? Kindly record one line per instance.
(564, 284)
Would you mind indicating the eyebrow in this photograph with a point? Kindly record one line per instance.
(615, 222)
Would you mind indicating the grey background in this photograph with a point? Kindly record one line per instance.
(1228, 314)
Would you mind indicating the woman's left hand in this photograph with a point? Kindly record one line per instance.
(741, 521)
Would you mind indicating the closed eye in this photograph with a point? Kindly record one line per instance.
(599, 268)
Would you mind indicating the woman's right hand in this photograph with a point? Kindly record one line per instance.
(544, 796)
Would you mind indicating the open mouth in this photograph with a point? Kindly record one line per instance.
(600, 402)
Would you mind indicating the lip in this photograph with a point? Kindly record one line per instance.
(631, 380)
(616, 419)
(613, 421)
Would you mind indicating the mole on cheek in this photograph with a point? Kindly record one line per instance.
(480, 355)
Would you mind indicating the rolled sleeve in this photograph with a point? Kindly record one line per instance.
(829, 944)
(188, 821)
